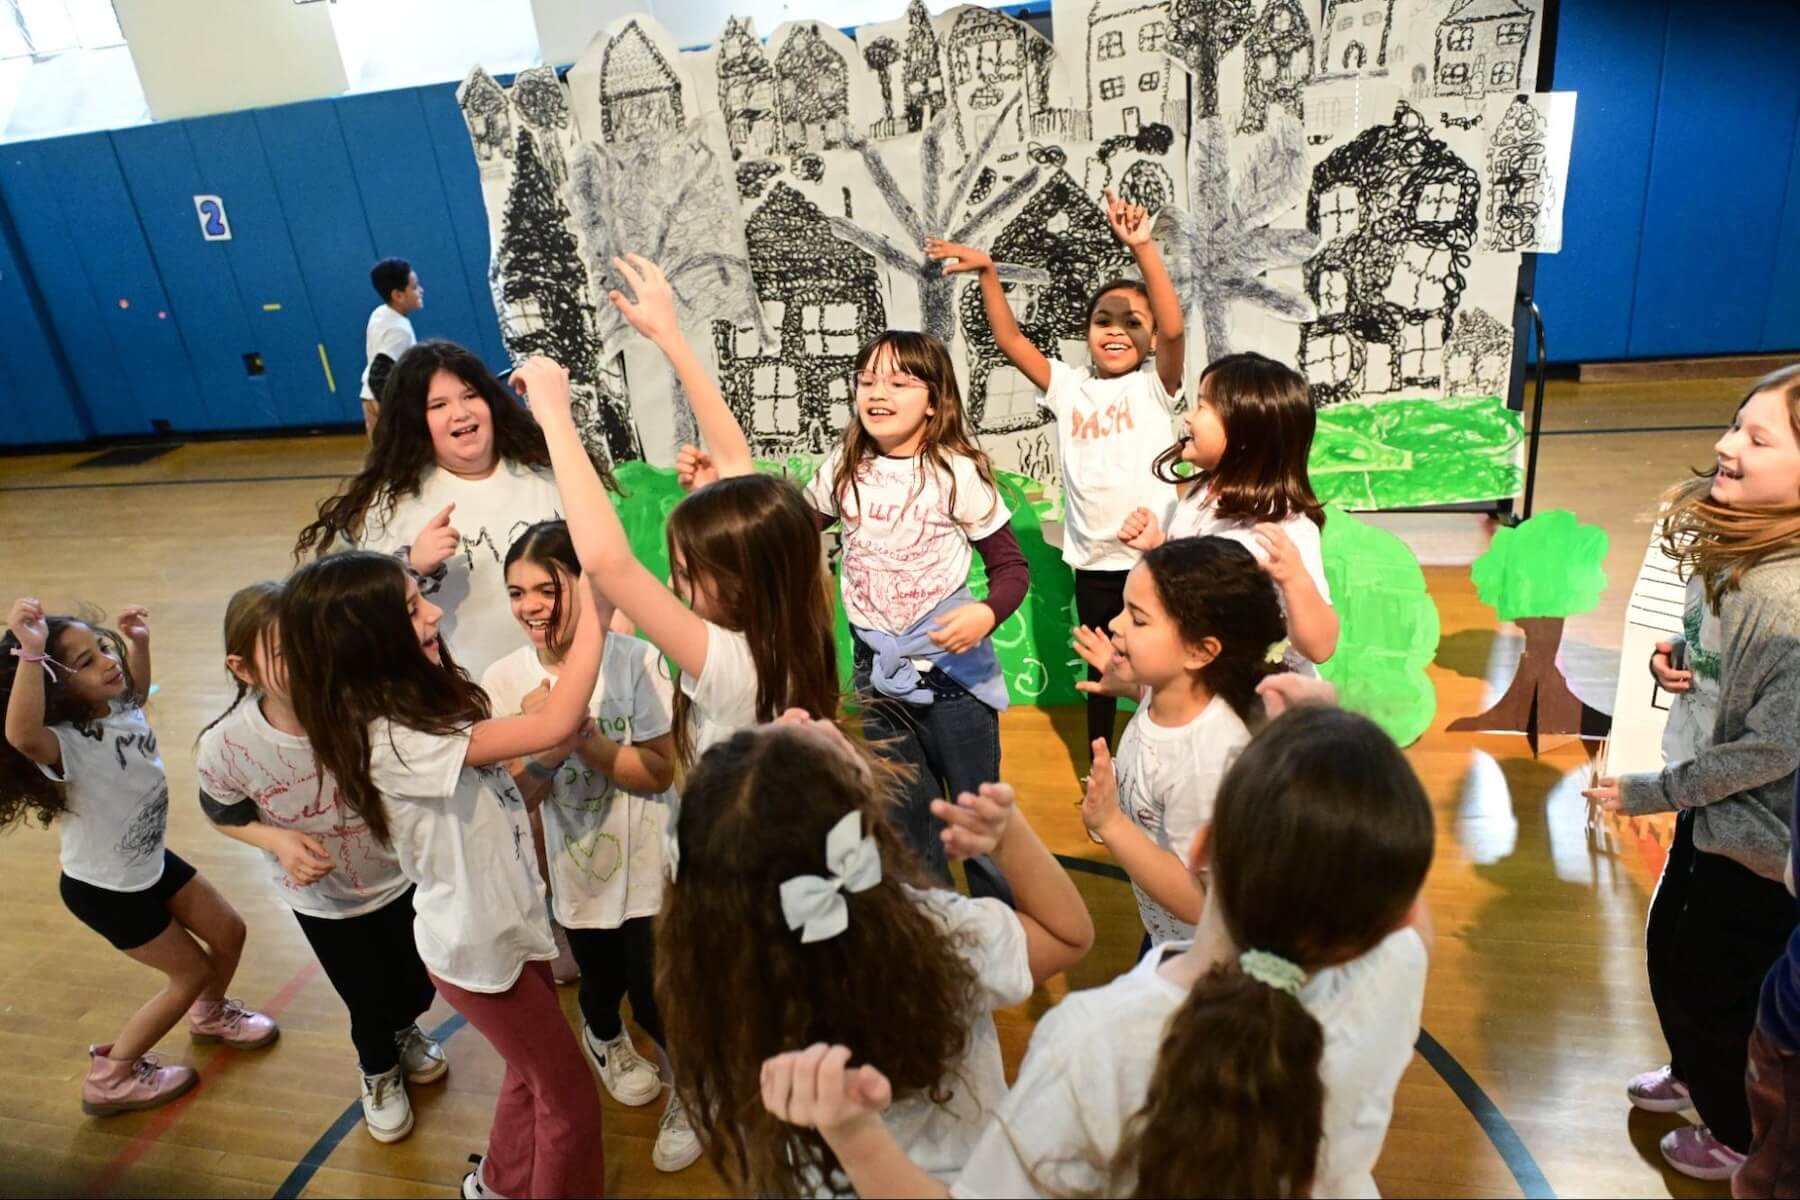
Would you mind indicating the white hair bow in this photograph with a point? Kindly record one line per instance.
(814, 904)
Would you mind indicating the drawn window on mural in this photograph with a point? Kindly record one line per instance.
(1419, 278)
(777, 405)
(837, 397)
(1148, 80)
(829, 329)
(1372, 18)
(1112, 45)
(1462, 38)
(1503, 74)
(1438, 202)
(1112, 89)
(1334, 293)
(1152, 37)
(1339, 212)
(1454, 73)
(1349, 21)
(996, 59)
(1421, 345)
(1328, 359)
(1512, 33)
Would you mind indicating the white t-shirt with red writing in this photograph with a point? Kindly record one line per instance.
(1109, 432)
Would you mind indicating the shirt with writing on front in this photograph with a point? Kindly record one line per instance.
(490, 513)
(906, 547)
(118, 800)
(388, 333)
(244, 757)
(604, 844)
(1109, 432)
(462, 836)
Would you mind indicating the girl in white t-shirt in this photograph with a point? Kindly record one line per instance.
(797, 915)
(604, 813)
(1112, 417)
(456, 471)
(1259, 1059)
(748, 622)
(1200, 626)
(1248, 437)
(79, 751)
(409, 739)
(260, 784)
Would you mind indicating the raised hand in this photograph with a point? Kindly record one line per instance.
(544, 383)
(960, 258)
(815, 1088)
(1130, 223)
(26, 620)
(435, 543)
(1100, 807)
(134, 623)
(1141, 530)
(694, 468)
(1094, 646)
(976, 823)
(652, 313)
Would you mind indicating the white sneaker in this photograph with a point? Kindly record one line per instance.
(473, 1188)
(386, 1110)
(677, 1146)
(631, 1080)
(421, 1058)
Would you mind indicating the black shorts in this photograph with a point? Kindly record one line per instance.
(128, 919)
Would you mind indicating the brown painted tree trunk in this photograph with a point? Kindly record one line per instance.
(1539, 701)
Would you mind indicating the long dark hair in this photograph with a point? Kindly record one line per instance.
(549, 545)
(401, 452)
(1267, 412)
(1321, 838)
(751, 538)
(25, 791)
(251, 618)
(353, 658)
(755, 812)
(947, 435)
(1212, 587)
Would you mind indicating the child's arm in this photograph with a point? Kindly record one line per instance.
(501, 738)
(646, 767)
(1095, 648)
(1132, 226)
(653, 315)
(1058, 929)
(600, 541)
(25, 728)
(302, 856)
(1011, 340)
(134, 623)
(1163, 875)
(1141, 530)
(1312, 622)
(815, 1089)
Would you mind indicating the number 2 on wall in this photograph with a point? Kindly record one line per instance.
(214, 225)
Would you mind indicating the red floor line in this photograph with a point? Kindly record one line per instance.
(165, 1117)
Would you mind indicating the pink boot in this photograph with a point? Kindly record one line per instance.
(113, 1087)
(230, 1022)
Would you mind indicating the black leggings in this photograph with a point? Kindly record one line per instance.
(373, 963)
(615, 962)
(1099, 597)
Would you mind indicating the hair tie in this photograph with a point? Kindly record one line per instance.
(1272, 970)
(50, 665)
(814, 904)
(1277, 653)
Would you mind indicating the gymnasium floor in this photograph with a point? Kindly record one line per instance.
(1536, 1013)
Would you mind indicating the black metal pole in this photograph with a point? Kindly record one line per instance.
(1533, 434)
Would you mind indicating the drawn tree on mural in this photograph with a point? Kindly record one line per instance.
(1538, 574)
(544, 104)
(944, 194)
(485, 111)
(543, 285)
(1221, 252)
(879, 55)
(922, 79)
(1205, 31)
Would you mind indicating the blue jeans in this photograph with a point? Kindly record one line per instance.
(953, 746)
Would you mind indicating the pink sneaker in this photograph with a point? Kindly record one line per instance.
(230, 1022)
(1696, 1153)
(565, 969)
(1659, 1091)
(113, 1087)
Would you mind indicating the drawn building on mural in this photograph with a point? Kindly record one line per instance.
(1478, 357)
(1061, 230)
(640, 94)
(812, 88)
(747, 90)
(488, 116)
(1518, 181)
(543, 105)
(1278, 63)
(1127, 90)
(992, 58)
(922, 78)
(822, 297)
(1481, 47)
(1357, 33)
(1396, 210)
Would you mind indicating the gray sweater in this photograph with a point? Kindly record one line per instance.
(1742, 785)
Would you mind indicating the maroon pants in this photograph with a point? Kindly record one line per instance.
(1773, 1086)
(545, 1141)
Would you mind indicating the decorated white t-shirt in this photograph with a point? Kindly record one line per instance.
(603, 843)
(244, 757)
(118, 800)
(388, 333)
(1195, 517)
(1088, 1072)
(1690, 727)
(1108, 432)
(462, 835)
(724, 694)
(490, 514)
(1168, 777)
(904, 550)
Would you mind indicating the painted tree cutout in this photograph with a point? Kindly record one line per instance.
(746, 90)
(1537, 574)
(485, 111)
(542, 102)
(922, 79)
(1205, 32)
(1278, 64)
(944, 195)
(1223, 250)
(1389, 627)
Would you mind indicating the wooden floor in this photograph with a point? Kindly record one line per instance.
(1537, 1010)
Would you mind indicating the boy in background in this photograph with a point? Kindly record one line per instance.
(390, 333)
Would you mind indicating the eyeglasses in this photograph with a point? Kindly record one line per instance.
(868, 380)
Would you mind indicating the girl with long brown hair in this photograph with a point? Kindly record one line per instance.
(748, 621)
(1248, 437)
(797, 915)
(416, 754)
(1258, 1059)
(1721, 915)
